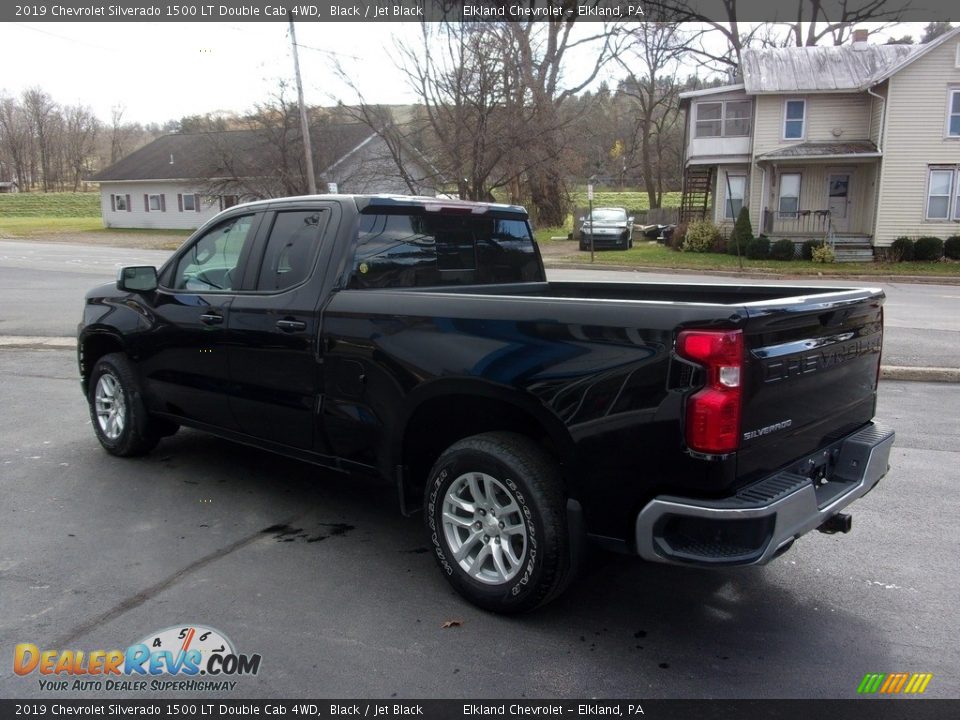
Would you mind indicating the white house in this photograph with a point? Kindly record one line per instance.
(860, 143)
(182, 180)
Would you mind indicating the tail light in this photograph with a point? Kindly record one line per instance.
(713, 413)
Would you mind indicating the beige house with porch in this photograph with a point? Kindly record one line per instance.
(857, 143)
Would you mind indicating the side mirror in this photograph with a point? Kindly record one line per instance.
(139, 278)
(630, 220)
(582, 219)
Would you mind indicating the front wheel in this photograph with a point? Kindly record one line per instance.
(495, 514)
(117, 412)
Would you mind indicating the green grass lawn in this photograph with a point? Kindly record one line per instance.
(654, 255)
(629, 199)
(39, 225)
(51, 205)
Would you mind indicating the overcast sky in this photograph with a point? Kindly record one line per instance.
(164, 71)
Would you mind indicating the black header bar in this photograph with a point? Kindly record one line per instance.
(203, 708)
(469, 10)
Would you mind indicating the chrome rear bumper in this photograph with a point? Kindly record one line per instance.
(763, 519)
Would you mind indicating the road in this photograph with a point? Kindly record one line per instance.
(320, 575)
(42, 287)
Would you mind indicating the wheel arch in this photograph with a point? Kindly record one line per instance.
(92, 345)
(442, 412)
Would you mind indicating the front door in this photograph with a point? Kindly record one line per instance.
(838, 189)
(184, 356)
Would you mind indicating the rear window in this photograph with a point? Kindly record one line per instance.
(428, 248)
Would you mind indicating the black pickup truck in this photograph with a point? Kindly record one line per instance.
(417, 339)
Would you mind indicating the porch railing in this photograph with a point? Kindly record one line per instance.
(815, 223)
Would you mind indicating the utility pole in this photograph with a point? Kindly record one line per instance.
(304, 125)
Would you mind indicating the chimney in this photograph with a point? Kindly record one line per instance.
(860, 36)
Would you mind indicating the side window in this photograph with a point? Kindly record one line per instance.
(394, 251)
(291, 249)
(422, 249)
(211, 262)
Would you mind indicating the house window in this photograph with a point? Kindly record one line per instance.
(794, 119)
(709, 119)
(736, 192)
(156, 203)
(789, 195)
(723, 119)
(189, 202)
(120, 202)
(953, 114)
(227, 201)
(939, 191)
(736, 118)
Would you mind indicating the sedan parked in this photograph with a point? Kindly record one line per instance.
(608, 227)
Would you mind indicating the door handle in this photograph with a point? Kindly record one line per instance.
(211, 319)
(291, 325)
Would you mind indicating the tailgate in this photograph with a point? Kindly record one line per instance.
(811, 372)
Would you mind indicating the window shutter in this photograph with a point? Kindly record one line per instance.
(129, 209)
(180, 202)
(146, 203)
(196, 202)
(113, 202)
(163, 202)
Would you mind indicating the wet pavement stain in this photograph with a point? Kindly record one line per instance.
(285, 533)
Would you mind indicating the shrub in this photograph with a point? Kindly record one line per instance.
(951, 248)
(782, 250)
(720, 243)
(901, 249)
(929, 249)
(700, 237)
(823, 254)
(806, 251)
(759, 248)
(742, 233)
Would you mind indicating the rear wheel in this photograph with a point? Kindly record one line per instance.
(117, 412)
(495, 514)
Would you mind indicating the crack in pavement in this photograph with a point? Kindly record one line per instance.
(135, 601)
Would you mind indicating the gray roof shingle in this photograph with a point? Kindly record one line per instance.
(831, 149)
(819, 69)
(226, 154)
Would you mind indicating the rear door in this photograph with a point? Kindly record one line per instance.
(810, 377)
(274, 357)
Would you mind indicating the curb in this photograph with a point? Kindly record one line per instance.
(920, 374)
(887, 372)
(37, 342)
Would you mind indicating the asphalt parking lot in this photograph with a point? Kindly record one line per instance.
(320, 575)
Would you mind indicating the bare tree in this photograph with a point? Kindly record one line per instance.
(41, 110)
(806, 23)
(79, 140)
(656, 47)
(458, 72)
(934, 30)
(16, 140)
(540, 50)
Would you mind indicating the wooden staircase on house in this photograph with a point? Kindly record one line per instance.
(695, 200)
(852, 248)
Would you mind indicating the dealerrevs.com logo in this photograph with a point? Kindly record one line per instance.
(179, 658)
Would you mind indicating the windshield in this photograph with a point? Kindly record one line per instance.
(608, 215)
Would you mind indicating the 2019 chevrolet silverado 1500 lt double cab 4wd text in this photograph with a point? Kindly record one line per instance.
(418, 339)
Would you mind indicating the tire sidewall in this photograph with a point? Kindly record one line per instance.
(513, 595)
(118, 445)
